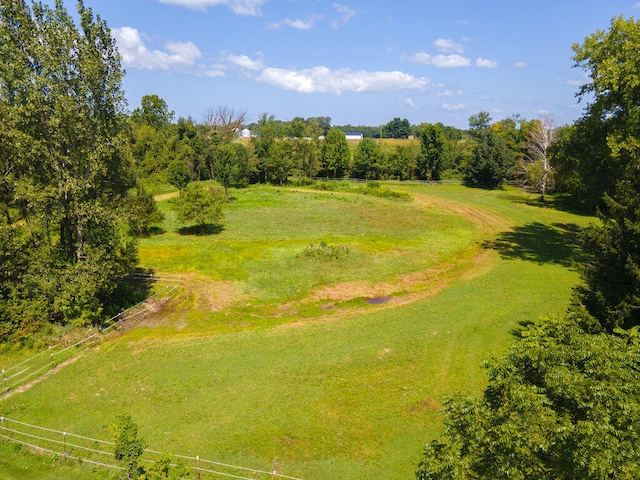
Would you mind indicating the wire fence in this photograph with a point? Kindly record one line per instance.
(100, 453)
(55, 355)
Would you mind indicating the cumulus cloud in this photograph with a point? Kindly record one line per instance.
(240, 7)
(298, 23)
(177, 56)
(453, 108)
(520, 64)
(246, 62)
(325, 80)
(409, 102)
(345, 15)
(484, 63)
(440, 61)
(448, 46)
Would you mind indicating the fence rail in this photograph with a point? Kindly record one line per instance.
(55, 355)
(70, 446)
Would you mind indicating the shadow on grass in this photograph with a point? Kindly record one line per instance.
(522, 326)
(557, 201)
(155, 231)
(201, 230)
(540, 243)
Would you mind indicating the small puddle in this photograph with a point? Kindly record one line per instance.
(378, 301)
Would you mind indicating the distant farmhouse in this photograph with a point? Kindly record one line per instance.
(245, 133)
(354, 135)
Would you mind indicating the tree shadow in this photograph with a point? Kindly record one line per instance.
(536, 242)
(131, 290)
(155, 231)
(201, 230)
(522, 326)
(557, 201)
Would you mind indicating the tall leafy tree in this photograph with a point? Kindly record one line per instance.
(492, 162)
(431, 160)
(612, 278)
(336, 155)
(61, 97)
(367, 159)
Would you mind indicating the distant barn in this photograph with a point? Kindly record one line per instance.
(354, 135)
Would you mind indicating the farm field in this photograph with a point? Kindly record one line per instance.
(317, 332)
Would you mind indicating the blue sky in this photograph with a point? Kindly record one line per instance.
(358, 62)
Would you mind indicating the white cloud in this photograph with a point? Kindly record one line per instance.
(448, 46)
(325, 80)
(345, 15)
(246, 63)
(409, 102)
(484, 63)
(449, 93)
(440, 61)
(520, 64)
(177, 56)
(579, 82)
(298, 23)
(456, 107)
(241, 7)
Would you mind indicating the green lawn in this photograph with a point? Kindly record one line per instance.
(346, 391)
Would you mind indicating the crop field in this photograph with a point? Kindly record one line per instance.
(316, 332)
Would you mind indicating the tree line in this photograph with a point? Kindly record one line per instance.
(564, 401)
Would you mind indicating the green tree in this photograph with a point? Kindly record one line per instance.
(201, 203)
(153, 111)
(128, 446)
(479, 122)
(61, 98)
(561, 404)
(178, 174)
(366, 159)
(397, 128)
(431, 160)
(336, 155)
(611, 292)
(224, 168)
(142, 212)
(492, 162)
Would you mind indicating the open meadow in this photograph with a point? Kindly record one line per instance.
(316, 332)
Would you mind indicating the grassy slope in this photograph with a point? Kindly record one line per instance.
(353, 397)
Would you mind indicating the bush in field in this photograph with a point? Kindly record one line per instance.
(201, 203)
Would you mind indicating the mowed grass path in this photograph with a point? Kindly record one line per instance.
(344, 393)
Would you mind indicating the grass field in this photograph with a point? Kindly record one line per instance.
(274, 359)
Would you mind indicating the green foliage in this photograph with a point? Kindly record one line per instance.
(431, 161)
(367, 159)
(178, 174)
(153, 112)
(201, 203)
(562, 404)
(325, 251)
(63, 140)
(336, 155)
(128, 446)
(611, 290)
(397, 128)
(142, 212)
(492, 162)
(479, 122)
(612, 275)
